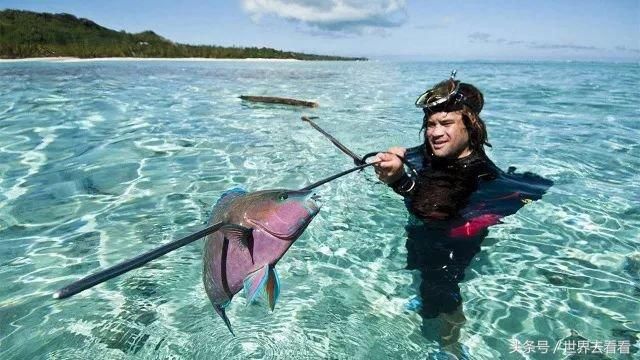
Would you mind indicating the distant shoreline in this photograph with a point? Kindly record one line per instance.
(32, 35)
(75, 59)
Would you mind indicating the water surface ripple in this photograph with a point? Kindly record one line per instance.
(103, 160)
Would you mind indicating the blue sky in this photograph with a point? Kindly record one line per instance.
(411, 29)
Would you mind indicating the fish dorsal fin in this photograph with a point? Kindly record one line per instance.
(230, 195)
(264, 280)
(240, 235)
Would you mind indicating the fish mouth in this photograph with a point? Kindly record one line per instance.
(312, 205)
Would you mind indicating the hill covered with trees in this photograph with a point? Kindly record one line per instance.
(25, 34)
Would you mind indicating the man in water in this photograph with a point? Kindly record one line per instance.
(455, 193)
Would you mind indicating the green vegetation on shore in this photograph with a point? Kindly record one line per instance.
(25, 34)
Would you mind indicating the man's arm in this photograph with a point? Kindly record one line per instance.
(391, 171)
(404, 186)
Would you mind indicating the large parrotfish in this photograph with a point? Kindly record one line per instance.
(257, 230)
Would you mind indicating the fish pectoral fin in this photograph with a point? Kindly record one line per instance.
(238, 233)
(255, 282)
(272, 287)
(241, 235)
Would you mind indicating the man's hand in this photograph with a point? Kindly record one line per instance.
(390, 168)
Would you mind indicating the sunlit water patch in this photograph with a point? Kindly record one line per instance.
(103, 160)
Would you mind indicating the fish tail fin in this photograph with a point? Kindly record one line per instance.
(223, 315)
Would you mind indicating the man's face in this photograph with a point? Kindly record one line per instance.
(447, 135)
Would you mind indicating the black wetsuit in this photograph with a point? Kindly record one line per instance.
(444, 198)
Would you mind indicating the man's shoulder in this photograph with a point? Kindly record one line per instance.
(482, 166)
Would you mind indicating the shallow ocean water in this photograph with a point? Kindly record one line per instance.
(100, 161)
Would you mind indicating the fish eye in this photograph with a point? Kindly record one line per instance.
(283, 197)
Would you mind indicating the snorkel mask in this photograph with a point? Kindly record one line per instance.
(451, 94)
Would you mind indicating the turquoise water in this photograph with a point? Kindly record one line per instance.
(100, 161)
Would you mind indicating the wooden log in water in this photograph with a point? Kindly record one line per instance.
(279, 100)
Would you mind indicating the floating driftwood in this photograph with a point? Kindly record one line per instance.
(279, 100)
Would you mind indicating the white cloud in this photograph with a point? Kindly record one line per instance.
(333, 15)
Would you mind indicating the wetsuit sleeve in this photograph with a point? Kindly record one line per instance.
(404, 186)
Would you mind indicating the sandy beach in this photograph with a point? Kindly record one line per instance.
(74, 59)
